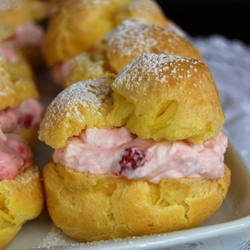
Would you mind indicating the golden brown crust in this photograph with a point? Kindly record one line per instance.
(90, 207)
(21, 200)
(67, 37)
(167, 97)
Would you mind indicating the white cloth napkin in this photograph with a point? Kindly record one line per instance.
(229, 63)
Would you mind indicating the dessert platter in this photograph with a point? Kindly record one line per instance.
(133, 130)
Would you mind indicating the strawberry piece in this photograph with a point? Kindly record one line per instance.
(26, 121)
(131, 160)
(21, 150)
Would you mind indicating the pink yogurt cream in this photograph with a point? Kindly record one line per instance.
(120, 153)
(15, 155)
(25, 116)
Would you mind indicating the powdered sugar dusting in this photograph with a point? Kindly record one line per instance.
(92, 95)
(160, 66)
(132, 37)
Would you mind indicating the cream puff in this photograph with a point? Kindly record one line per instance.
(125, 42)
(20, 108)
(78, 25)
(136, 154)
(14, 58)
(25, 17)
(21, 191)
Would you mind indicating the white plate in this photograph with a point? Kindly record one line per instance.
(227, 229)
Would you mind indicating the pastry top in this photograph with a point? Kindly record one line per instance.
(24, 11)
(79, 24)
(83, 104)
(170, 97)
(13, 88)
(133, 38)
(154, 96)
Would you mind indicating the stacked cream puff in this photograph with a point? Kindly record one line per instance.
(119, 46)
(25, 17)
(17, 62)
(21, 111)
(20, 108)
(79, 26)
(137, 153)
(21, 191)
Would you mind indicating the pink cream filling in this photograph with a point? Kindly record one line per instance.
(120, 153)
(25, 116)
(28, 34)
(15, 155)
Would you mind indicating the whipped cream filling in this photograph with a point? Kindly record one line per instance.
(15, 155)
(29, 34)
(25, 116)
(120, 153)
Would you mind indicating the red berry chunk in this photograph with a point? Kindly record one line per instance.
(21, 150)
(25, 121)
(132, 159)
